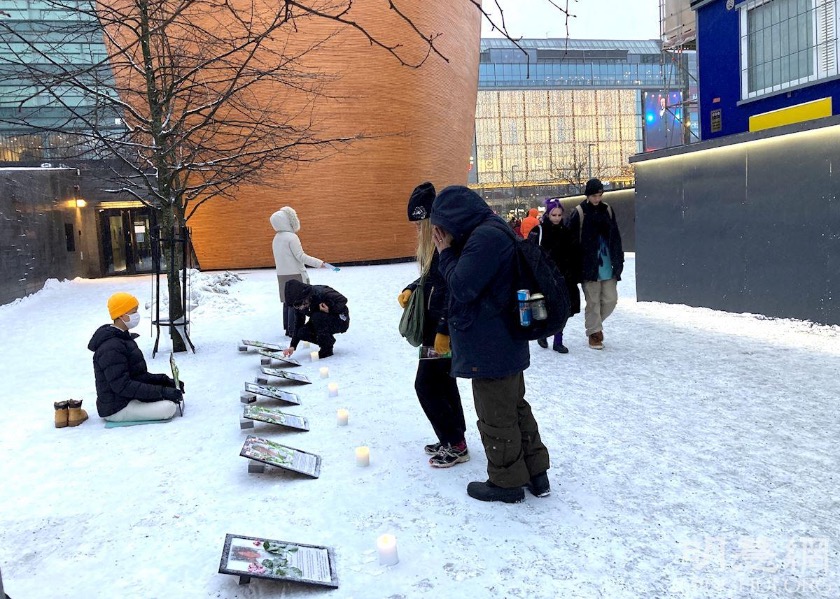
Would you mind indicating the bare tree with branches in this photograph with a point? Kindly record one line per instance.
(187, 99)
(572, 169)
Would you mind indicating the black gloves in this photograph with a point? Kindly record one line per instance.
(180, 384)
(171, 394)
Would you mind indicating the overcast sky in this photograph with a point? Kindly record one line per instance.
(594, 19)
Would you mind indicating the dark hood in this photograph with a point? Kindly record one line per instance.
(297, 292)
(106, 332)
(459, 210)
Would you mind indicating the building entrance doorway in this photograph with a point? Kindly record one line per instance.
(126, 245)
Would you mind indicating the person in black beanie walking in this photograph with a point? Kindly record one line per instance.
(436, 390)
(601, 259)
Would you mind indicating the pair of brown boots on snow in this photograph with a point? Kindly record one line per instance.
(69, 413)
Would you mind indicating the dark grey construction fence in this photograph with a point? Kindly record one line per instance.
(750, 226)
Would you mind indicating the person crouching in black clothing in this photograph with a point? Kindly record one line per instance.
(320, 313)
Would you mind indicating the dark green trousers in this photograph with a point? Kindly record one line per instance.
(509, 431)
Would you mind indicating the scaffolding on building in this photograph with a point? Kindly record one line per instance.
(678, 31)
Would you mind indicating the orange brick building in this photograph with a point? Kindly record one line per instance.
(352, 205)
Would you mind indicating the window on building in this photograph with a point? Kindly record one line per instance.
(69, 237)
(785, 43)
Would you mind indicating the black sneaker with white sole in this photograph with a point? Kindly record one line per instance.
(449, 455)
(432, 448)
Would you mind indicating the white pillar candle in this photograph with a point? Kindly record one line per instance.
(387, 547)
(362, 456)
(342, 416)
(325, 372)
(333, 389)
(313, 356)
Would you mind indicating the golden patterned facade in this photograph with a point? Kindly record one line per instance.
(546, 135)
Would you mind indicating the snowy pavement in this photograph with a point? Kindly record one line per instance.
(695, 457)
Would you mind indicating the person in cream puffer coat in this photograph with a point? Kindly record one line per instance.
(289, 258)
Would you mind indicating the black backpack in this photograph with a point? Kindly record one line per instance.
(536, 271)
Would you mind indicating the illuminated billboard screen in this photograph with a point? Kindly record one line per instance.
(663, 120)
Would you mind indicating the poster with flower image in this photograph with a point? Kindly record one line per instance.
(281, 456)
(175, 372)
(176, 377)
(289, 376)
(248, 557)
(278, 355)
(272, 392)
(261, 344)
(275, 416)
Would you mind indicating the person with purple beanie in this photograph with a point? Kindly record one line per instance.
(555, 239)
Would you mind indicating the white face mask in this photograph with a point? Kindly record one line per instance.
(133, 320)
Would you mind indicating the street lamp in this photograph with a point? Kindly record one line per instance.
(513, 168)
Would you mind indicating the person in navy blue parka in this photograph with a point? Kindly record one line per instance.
(477, 260)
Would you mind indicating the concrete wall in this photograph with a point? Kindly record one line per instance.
(37, 213)
(746, 224)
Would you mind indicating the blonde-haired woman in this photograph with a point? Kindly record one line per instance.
(436, 390)
(289, 258)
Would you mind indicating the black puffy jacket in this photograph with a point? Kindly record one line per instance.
(314, 295)
(298, 292)
(557, 242)
(120, 371)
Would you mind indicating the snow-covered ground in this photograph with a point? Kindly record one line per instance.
(696, 456)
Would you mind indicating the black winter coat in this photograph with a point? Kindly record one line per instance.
(478, 269)
(557, 242)
(120, 371)
(598, 222)
(435, 301)
(298, 292)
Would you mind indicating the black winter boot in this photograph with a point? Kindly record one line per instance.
(558, 344)
(325, 352)
(487, 491)
(543, 343)
(539, 485)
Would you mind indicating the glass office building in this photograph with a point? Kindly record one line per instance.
(46, 123)
(37, 122)
(565, 110)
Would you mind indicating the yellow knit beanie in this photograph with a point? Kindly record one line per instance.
(121, 303)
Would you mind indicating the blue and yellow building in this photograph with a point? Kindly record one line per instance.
(765, 63)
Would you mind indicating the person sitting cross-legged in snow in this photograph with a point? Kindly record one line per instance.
(320, 313)
(125, 389)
